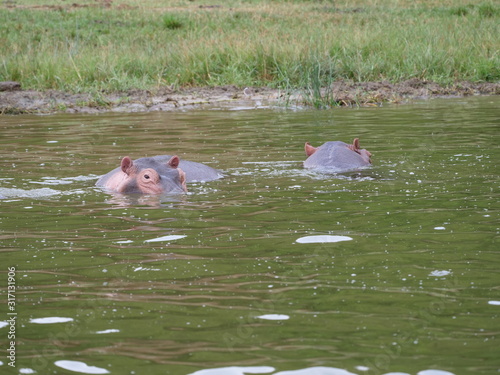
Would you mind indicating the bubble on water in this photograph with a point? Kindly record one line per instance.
(439, 228)
(124, 241)
(322, 239)
(166, 238)
(82, 367)
(51, 320)
(496, 303)
(273, 317)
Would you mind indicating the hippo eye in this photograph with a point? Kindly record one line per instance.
(146, 176)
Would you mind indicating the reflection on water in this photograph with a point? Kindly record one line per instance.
(51, 320)
(272, 269)
(80, 367)
(322, 239)
(236, 370)
(274, 317)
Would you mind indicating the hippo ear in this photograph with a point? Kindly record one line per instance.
(309, 149)
(355, 144)
(174, 161)
(127, 164)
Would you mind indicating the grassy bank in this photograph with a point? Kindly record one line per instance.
(88, 45)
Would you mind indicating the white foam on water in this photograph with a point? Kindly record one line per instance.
(322, 239)
(274, 317)
(51, 320)
(166, 238)
(235, 370)
(81, 367)
(108, 331)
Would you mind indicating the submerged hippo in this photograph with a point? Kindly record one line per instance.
(337, 156)
(156, 175)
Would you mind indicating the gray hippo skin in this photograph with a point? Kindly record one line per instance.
(337, 156)
(155, 175)
(195, 172)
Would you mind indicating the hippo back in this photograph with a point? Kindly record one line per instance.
(336, 157)
(195, 172)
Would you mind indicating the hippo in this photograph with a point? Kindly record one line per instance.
(195, 172)
(337, 156)
(156, 175)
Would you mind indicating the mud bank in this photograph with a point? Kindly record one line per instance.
(341, 93)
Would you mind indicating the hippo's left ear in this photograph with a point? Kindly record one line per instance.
(126, 165)
(174, 161)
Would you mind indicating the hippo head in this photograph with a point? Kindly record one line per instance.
(337, 155)
(365, 154)
(149, 176)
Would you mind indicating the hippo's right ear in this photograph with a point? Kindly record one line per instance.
(174, 161)
(309, 149)
(127, 165)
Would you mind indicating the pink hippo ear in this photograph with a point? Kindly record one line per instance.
(174, 161)
(309, 149)
(127, 165)
(365, 154)
(355, 145)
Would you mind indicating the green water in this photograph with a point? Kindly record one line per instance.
(416, 286)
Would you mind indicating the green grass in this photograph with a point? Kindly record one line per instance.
(282, 44)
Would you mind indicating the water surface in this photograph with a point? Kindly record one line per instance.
(270, 270)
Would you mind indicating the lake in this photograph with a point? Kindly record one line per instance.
(272, 269)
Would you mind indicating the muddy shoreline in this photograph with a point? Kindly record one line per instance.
(342, 93)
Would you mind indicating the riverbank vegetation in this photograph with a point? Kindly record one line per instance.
(104, 45)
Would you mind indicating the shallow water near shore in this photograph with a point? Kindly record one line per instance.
(270, 270)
